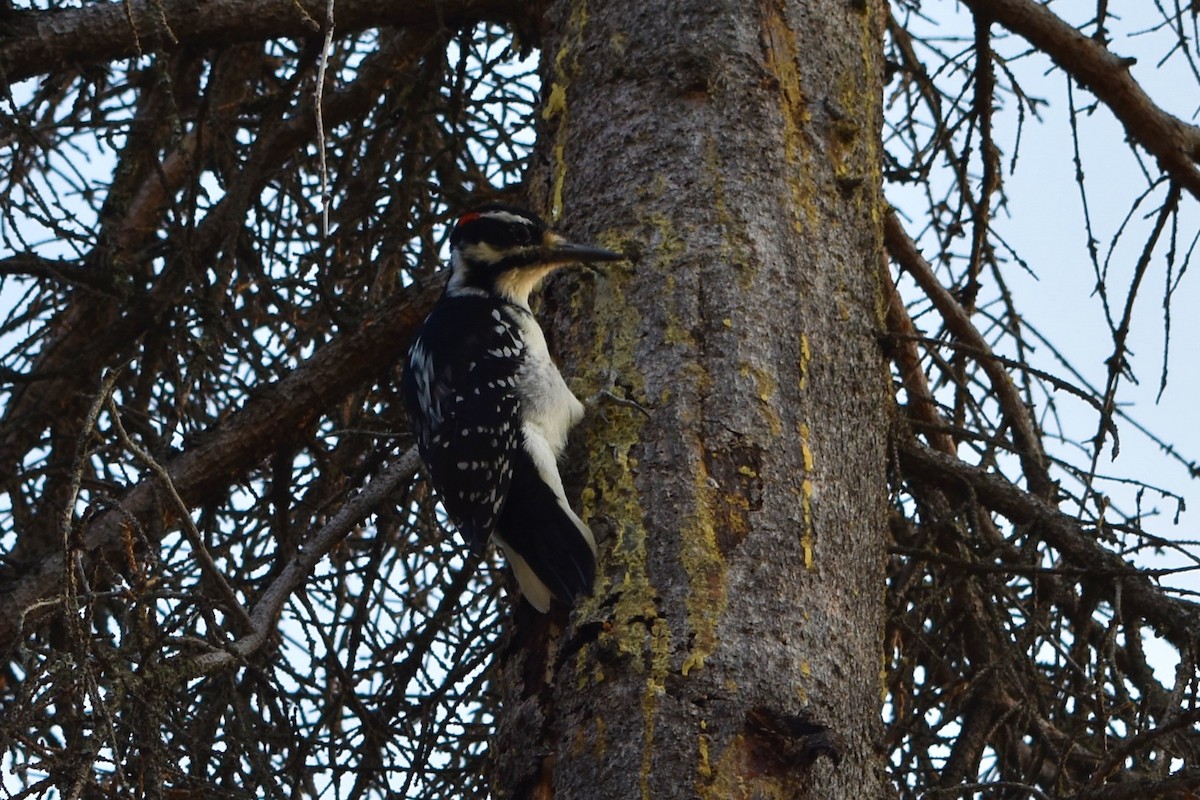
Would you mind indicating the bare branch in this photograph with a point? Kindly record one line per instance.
(274, 415)
(69, 272)
(1173, 142)
(233, 603)
(1177, 620)
(1033, 460)
(38, 42)
(908, 363)
(311, 551)
(1180, 786)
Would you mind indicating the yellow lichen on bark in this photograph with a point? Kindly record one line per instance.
(734, 250)
(781, 61)
(656, 676)
(765, 388)
(566, 65)
(734, 777)
(705, 568)
(613, 463)
(807, 540)
(703, 766)
(805, 358)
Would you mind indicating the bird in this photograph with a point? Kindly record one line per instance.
(489, 408)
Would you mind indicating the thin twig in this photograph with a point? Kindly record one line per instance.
(1175, 143)
(207, 565)
(1033, 460)
(67, 518)
(307, 556)
(326, 46)
(1117, 364)
(908, 363)
(1022, 366)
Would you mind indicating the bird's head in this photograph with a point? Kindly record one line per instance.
(508, 251)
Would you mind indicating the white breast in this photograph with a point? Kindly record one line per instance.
(549, 407)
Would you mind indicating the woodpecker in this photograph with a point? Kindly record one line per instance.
(490, 409)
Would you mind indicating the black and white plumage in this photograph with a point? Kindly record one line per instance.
(491, 411)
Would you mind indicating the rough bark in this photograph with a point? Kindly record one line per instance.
(732, 150)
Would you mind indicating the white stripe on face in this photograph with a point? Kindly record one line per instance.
(508, 217)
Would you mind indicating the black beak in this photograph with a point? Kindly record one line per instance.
(565, 252)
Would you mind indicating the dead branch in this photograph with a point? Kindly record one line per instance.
(1177, 620)
(275, 415)
(958, 322)
(38, 42)
(1173, 142)
(315, 547)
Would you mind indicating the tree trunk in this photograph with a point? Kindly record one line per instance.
(732, 150)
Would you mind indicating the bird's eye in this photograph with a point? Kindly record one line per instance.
(523, 234)
(502, 234)
(501, 227)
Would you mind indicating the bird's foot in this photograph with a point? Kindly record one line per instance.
(607, 395)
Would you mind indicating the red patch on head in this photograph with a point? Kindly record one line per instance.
(470, 216)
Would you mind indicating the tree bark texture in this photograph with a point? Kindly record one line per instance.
(732, 150)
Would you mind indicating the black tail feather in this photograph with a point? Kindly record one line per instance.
(535, 526)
